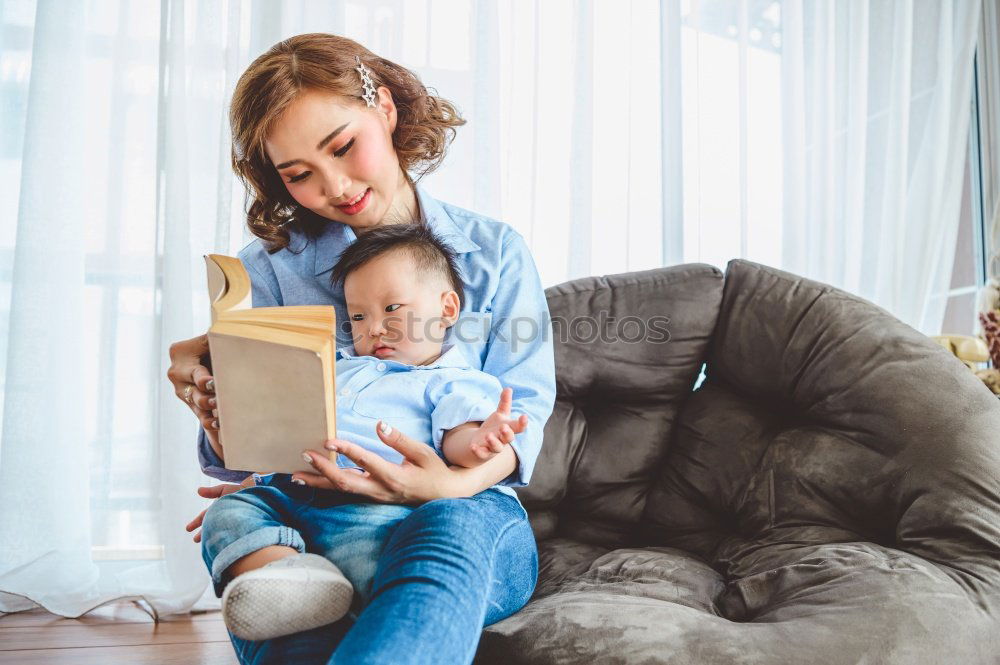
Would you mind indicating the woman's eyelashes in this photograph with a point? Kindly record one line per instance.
(392, 308)
(343, 151)
(337, 153)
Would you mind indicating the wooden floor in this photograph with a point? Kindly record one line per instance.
(114, 634)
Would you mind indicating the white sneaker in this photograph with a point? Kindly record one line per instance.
(286, 596)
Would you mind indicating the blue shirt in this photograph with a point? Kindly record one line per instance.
(504, 329)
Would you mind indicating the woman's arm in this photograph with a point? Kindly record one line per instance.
(520, 351)
(473, 480)
(421, 477)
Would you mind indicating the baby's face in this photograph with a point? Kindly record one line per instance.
(398, 312)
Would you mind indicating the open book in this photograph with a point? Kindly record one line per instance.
(274, 370)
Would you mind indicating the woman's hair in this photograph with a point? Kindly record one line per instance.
(317, 61)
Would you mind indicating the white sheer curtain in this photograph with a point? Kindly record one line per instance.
(989, 125)
(876, 102)
(614, 136)
(113, 181)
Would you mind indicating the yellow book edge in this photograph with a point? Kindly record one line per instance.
(310, 327)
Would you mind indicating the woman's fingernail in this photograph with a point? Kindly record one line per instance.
(215, 424)
(211, 402)
(211, 385)
(330, 446)
(385, 429)
(298, 481)
(307, 457)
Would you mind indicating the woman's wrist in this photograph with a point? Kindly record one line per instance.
(213, 442)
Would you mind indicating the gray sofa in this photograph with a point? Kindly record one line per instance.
(830, 493)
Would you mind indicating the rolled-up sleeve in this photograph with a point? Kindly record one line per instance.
(465, 396)
(520, 351)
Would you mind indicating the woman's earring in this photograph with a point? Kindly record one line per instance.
(366, 82)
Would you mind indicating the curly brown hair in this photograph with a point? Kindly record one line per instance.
(323, 62)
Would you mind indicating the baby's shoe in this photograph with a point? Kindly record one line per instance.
(286, 596)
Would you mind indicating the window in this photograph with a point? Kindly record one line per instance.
(969, 271)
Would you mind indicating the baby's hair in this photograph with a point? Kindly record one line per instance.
(322, 62)
(416, 240)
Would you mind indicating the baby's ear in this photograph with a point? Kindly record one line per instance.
(450, 308)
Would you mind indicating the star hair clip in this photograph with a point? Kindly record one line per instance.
(366, 81)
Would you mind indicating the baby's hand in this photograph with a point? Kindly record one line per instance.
(497, 430)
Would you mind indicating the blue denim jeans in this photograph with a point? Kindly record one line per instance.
(427, 578)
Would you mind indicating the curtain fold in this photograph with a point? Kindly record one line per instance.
(876, 97)
(125, 182)
(41, 459)
(989, 125)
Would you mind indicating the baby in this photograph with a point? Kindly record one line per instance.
(403, 291)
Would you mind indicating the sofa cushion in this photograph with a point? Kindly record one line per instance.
(830, 493)
(628, 350)
(843, 603)
(824, 419)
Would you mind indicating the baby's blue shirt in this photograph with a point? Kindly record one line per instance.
(421, 400)
(504, 304)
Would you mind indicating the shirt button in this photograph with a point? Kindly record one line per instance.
(380, 367)
(345, 391)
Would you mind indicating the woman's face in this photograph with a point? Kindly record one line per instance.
(337, 159)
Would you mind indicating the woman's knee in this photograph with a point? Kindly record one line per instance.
(470, 531)
(488, 513)
(473, 547)
(515, 566)
(443, 532)
(450, 510)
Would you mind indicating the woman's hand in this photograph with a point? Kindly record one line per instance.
(421, 477)
(211, 493)
(193, 383)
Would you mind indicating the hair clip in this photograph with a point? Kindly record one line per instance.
(366, 81)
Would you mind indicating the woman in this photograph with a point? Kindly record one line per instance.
(326, 136)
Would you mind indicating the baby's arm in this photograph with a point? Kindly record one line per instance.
(456, 445)
(473, 443)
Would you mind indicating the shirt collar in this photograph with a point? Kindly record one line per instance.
(451, 356)
(337, 236)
